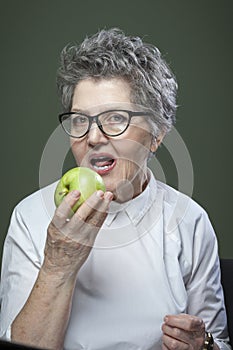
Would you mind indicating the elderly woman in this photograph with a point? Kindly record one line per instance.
(135, 267)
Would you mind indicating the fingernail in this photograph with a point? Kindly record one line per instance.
(100, 194)
(75, 193)
(165, 319)
(109, 195)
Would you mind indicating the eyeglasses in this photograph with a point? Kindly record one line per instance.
(111, 123)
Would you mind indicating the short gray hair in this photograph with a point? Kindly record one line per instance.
(110, 54)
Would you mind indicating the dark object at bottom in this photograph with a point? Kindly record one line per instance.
(5, 345)
(227, 283)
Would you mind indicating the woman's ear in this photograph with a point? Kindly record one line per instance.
(153, 146)
(156, 141)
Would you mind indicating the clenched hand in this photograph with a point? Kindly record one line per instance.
(183, 332)
(70, 237)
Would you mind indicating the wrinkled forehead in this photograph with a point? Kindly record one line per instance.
(96, 109)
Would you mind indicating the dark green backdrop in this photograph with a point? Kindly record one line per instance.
(196, 39)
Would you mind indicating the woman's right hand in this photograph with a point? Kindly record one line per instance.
(43, 320)
(71, 238)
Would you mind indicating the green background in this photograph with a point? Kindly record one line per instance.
(196, 39)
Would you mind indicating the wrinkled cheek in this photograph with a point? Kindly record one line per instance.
(127, 168)
(132, 165)
(130, 174)
(133, 152)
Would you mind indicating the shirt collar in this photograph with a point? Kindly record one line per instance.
(136, 207)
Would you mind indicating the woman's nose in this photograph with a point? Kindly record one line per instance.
(96, 136)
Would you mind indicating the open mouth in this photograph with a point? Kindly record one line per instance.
(102, 164)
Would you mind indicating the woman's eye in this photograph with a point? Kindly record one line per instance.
(80, 119)
(116, 118)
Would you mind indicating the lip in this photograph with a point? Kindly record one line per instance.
(102, 171)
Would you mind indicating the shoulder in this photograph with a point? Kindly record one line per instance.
(188, 233)
(183, 216)
(178, 203)
(30, 219)
(32, 215)
(39, 201)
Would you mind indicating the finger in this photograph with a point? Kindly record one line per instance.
(184, 321)
(64, 210)
(95, 206)
(98, 211)
(97, 202)
(172, 343)
(178, 333)
(88, 219)
(164, 347)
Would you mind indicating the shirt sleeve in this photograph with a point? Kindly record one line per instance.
(20, 267)
(205, 293)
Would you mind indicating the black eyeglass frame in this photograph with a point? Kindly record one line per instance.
(95, 118)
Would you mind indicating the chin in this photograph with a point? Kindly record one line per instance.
(109, 185)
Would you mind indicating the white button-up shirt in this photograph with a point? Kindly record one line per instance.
(155, 255)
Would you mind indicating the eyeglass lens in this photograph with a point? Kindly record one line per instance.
(111, 122)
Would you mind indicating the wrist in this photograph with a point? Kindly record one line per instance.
(56, 275)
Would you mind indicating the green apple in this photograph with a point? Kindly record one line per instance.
(83, 179)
